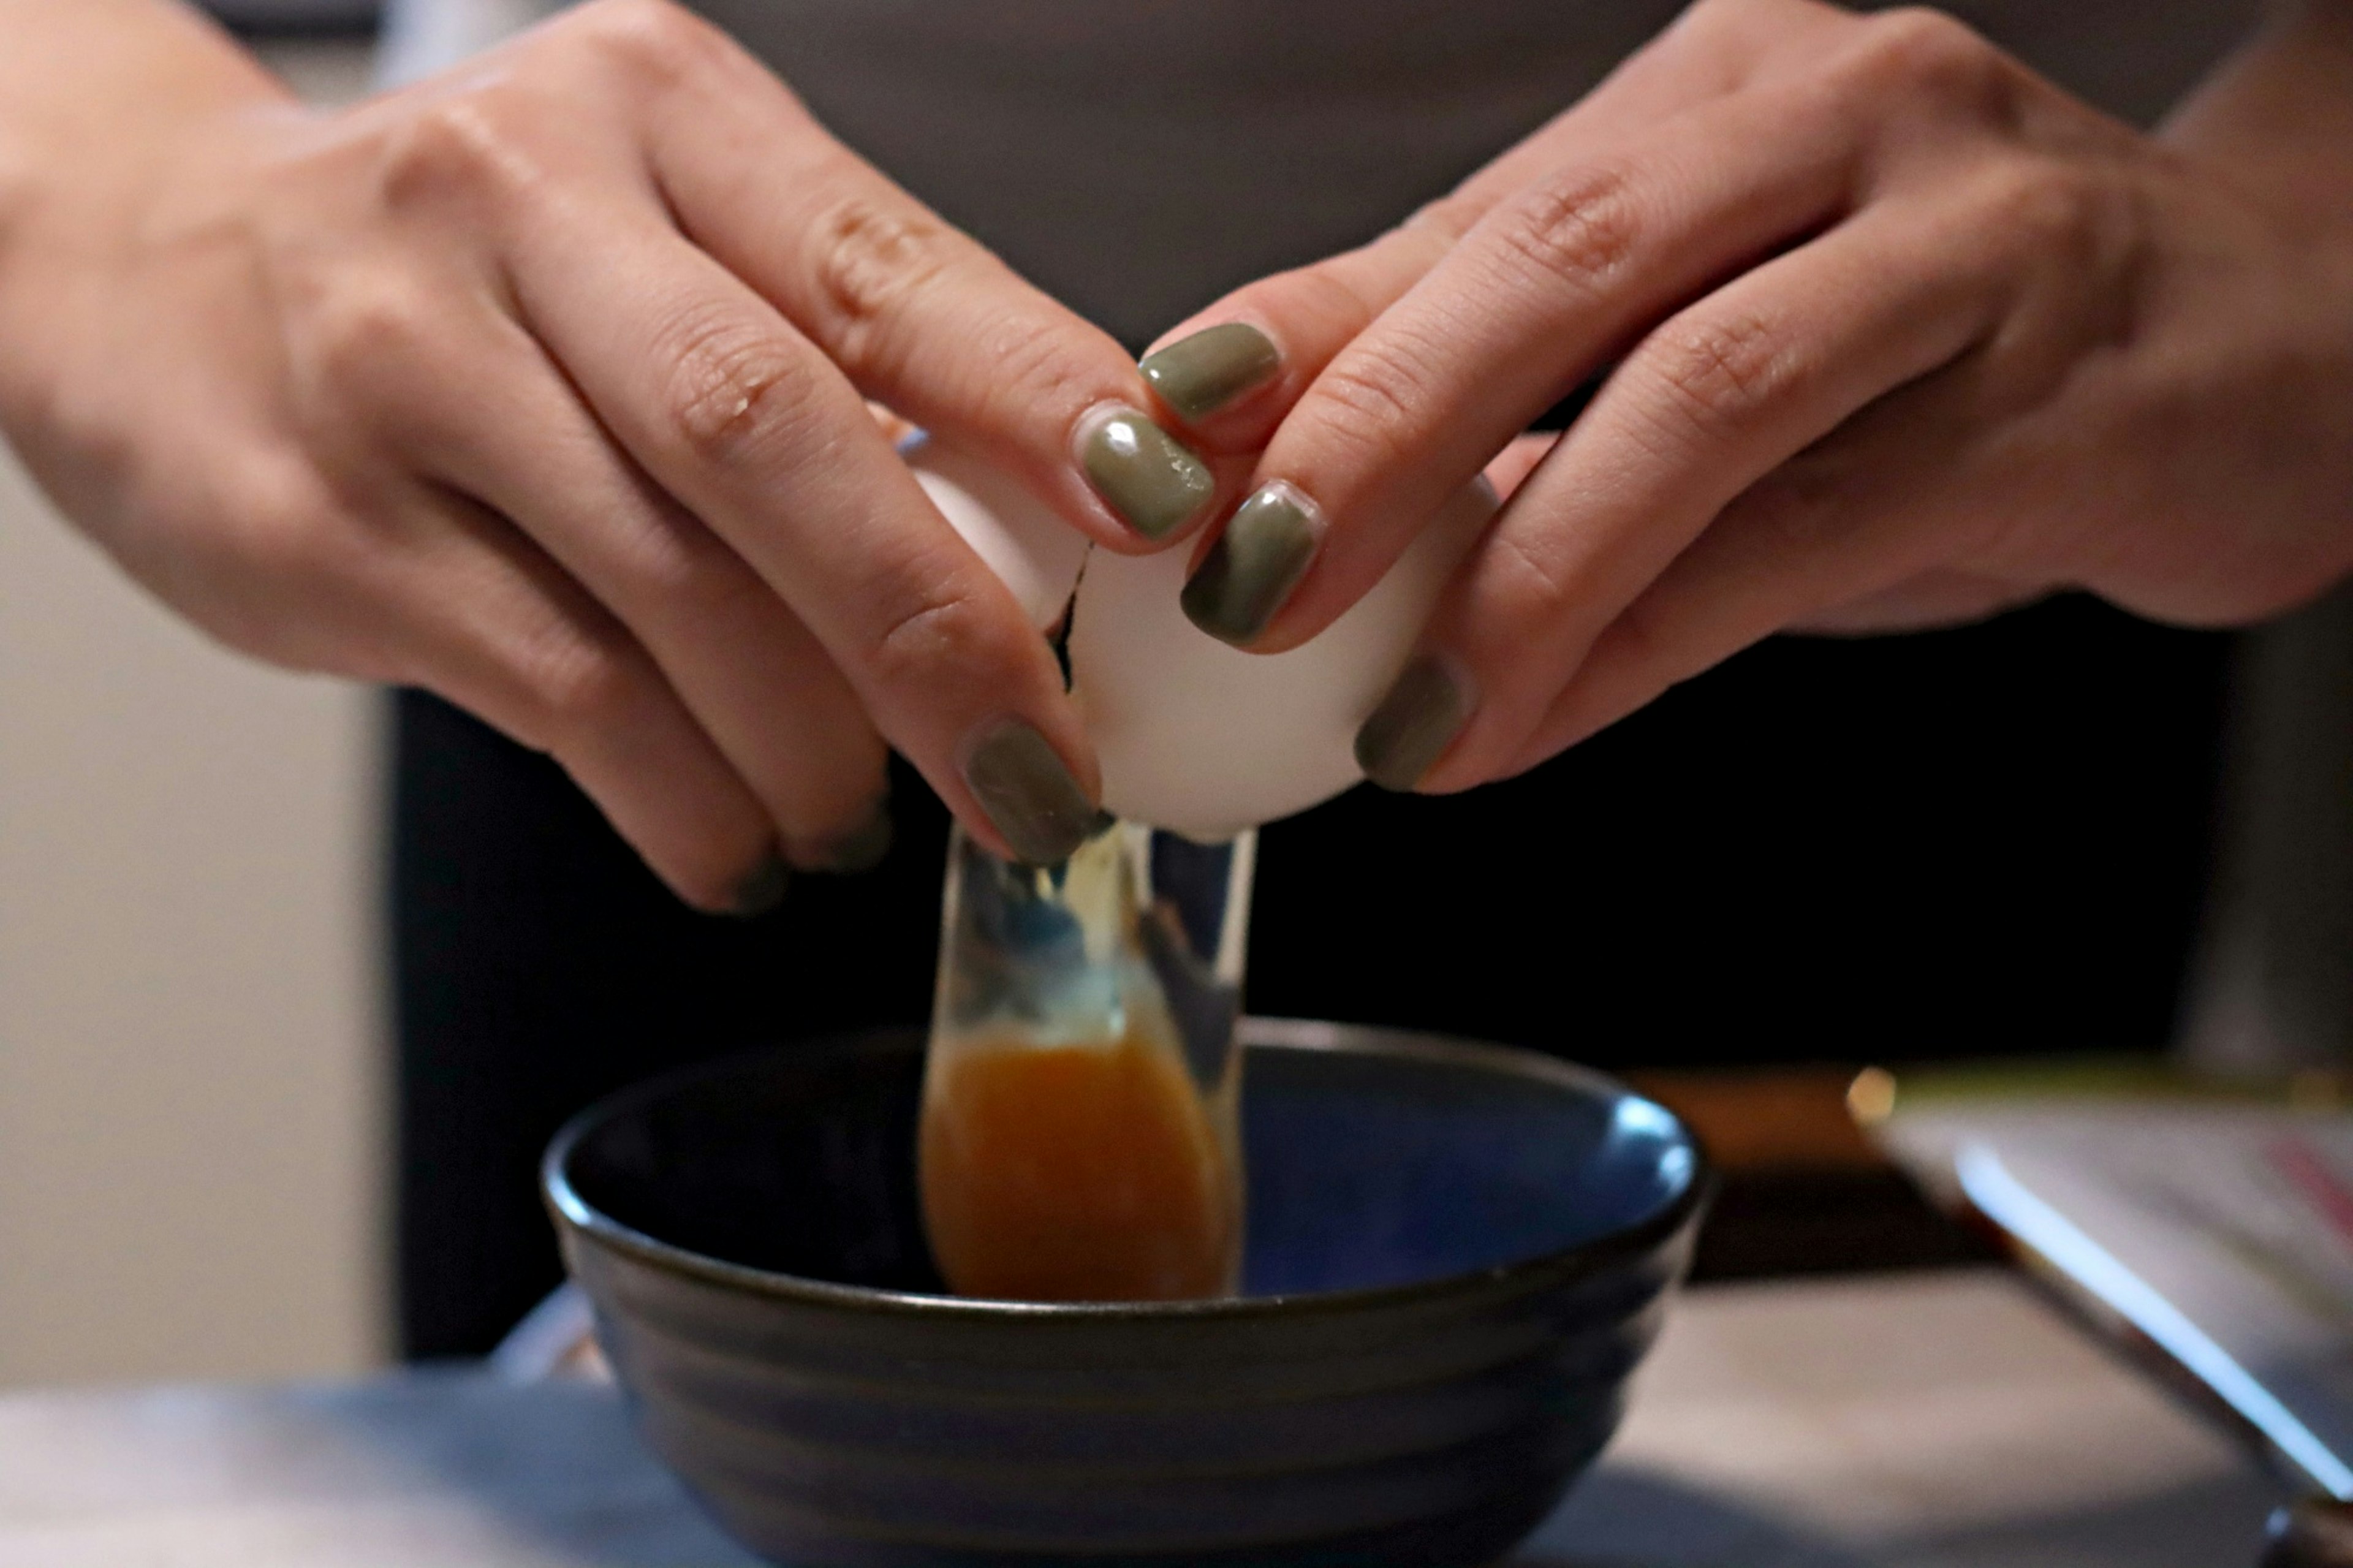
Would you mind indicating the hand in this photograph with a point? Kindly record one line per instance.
(1894, 335)
(542, 385)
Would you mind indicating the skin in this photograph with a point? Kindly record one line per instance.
(543, 384)
(1901, 335)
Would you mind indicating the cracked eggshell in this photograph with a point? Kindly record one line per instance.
(1193, 735)
(1206, 740)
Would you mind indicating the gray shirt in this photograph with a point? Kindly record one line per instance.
(1137, 160)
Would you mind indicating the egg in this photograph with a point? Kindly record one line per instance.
(1195, 736)
(1036, 553)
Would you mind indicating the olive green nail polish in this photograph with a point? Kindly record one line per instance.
(1143, 473)
(1266, 549)
(1029, 796)
(864, 847)
(1414, 724)
(762, 888)
(1199, 374)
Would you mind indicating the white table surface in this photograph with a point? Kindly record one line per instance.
(1931, 1421)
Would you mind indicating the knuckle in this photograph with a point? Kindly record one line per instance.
(1450, 216)
(737, 391)
(1926, 53)
(1720, 372)
(1369, 404)
(2080, 280)
(1640, 637)
(1331, 294)
(866, 258)
(1790, 513)
(289, 546)
(1580, 227)
(672, 562)
(580, 690)
(1028, 368)
(1343, 294)
(920, 641)
(1527, 590)
(276, 520)
(462, 147)
(1707, 14)
(2056, 210)
(366, 324)
(268, 535)
(932, 624)
(656, 42)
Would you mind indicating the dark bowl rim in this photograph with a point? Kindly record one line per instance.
(571, 1211)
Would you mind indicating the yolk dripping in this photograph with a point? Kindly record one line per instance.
(1076, 1172)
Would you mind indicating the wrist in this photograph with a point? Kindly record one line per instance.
(98, 99)
(2276, 119)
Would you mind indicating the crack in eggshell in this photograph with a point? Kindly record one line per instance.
(1193, 735)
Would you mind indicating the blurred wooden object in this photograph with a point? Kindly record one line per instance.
(2311, 1535)
(1771, 1118)
(1803, 1190)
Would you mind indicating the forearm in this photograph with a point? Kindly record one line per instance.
(2279, 115)
(90, 89)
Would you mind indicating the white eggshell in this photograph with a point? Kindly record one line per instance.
(1193, 735)
(1036, 553)
(1206, 739)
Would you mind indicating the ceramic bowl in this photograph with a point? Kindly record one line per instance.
(1456, 1255)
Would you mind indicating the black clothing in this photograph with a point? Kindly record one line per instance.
(1983, 841)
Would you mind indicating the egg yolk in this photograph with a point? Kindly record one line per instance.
(1076, 1172)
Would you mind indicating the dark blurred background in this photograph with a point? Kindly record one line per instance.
(295, 19)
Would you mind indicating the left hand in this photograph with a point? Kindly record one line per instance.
(1896, 334)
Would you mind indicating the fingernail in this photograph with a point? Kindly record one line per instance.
(1199, 374)
(1029, 796)
(1256, 562)
(863, 848)
(762, 888)
(1414, 724)
(1143, 473)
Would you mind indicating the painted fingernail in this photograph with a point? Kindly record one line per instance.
(1414, 724)
(1198, 376)
(1037, 808)
(1143, 473)
(762, 888)
(1265, 549)
(863, 848)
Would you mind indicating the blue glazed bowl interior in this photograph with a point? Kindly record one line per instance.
(1367, 1169)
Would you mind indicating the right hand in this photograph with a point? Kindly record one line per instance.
(542, 385)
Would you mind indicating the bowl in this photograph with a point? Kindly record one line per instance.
(1456, 1255)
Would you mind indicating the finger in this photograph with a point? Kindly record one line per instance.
(916, 313)
(466, 607)
(754, 678)
(1930, 602)
(1231, 371)
(1714, 49)
(1515, 462)
(1720, 396)
(731, 411)
(1547, 287)
(1861, 519)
